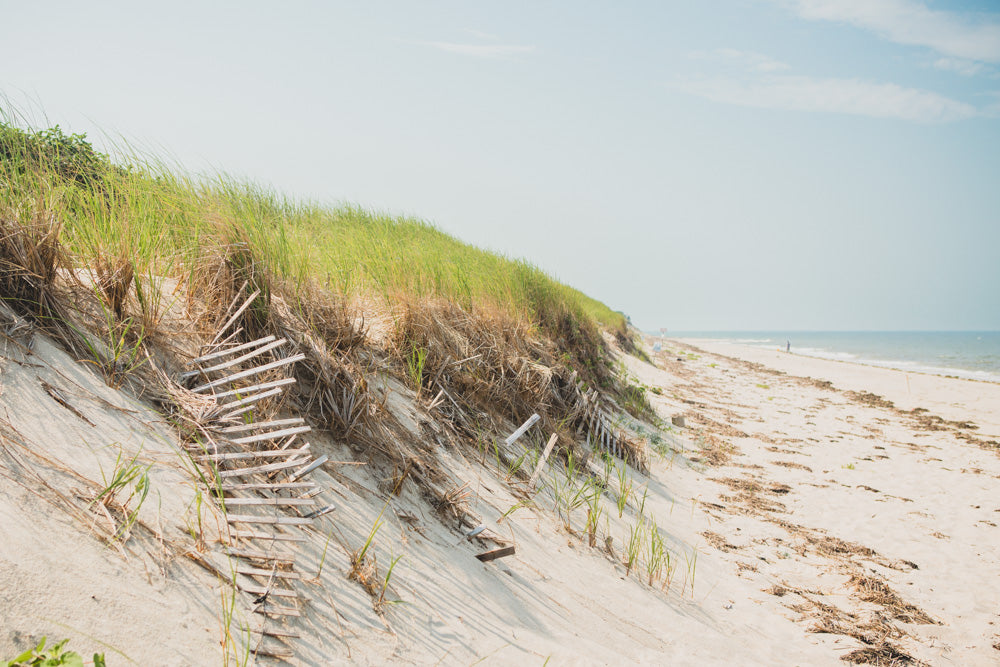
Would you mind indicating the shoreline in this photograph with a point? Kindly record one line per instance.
(904, 365)
(953, 398)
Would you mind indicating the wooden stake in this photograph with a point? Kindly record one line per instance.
(541, 462)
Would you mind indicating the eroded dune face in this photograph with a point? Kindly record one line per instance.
(790, 521)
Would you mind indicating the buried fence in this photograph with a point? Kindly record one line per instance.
(258, 471)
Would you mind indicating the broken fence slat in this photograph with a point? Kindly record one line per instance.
(257, 387)
(262, 425)
(274, 537)
(487, 556)
(272, 610)
(271, 467)
(269, 501)
(271, 435)
(320, 512)
(269, 520)
(279, 652)
(231, 320)
(238, 360)
(541, 462)
(276, 632)
(245, 404)
(257, 554)
(308, 469)
(521, 429)
(230, 350)
(260, 572)
(268, 486)
(250, 372)
(261, 590)
(263, 454)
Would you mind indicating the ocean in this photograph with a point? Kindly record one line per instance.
(966, 354)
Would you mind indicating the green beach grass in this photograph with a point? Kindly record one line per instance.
(163, 222)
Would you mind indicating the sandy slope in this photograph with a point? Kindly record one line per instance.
(819, 490)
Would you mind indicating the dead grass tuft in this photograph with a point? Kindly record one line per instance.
(876, 591)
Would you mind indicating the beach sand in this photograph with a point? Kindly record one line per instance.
(864, 502)
(808, 521)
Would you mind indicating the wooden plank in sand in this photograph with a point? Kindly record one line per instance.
(252, 470)
(274, 537)
(521, 429)
(257, 554)
(487, 556)
(233, 362)
(229, 350)
(269, 591)
(279, 652)
(248, 400)
(309, 468)
(320, 512)
(249, 372)
(272, 610)
(541, 462)
(276, 632)
(269, 520)
(270, 501)
(255, 426)
(264, 454)
(261, 572)
(268, 486)
(271, 435)
(257, 387)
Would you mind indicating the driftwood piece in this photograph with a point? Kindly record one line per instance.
(487, 556)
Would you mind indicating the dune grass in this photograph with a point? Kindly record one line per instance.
(140, 211)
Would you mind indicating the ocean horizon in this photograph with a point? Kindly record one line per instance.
(973, 355)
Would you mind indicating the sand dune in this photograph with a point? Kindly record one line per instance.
(806, 522)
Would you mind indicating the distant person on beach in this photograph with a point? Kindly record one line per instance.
(788, 346)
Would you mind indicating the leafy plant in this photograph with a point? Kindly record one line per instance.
(55, 656)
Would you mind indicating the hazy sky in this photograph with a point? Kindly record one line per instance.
(741, 164)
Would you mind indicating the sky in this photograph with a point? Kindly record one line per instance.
(710, 165)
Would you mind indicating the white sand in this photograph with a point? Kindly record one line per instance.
(935, 506)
